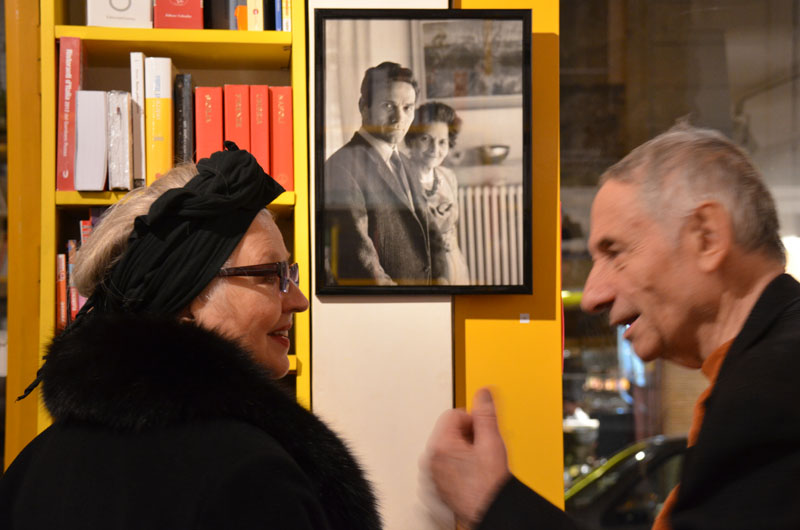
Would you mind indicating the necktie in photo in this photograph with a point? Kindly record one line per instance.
(400, 174)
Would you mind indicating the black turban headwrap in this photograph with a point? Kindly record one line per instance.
(189, 232)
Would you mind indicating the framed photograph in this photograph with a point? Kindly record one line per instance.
(423, 151)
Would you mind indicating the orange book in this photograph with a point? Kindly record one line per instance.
(61, 292)
(259, 124)
(281, 150)
(237, 114)
(207, 121)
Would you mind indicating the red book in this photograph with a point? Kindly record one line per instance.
(74, 303)
(186, 14)
(237, 115)
(207, 121)
(281, 150)
(70, 80)
(86, 230)
(259, 124)
(61, 292)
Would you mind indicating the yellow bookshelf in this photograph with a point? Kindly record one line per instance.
(214, 57)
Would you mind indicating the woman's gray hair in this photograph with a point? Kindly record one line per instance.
(686, 165)
(109, 239)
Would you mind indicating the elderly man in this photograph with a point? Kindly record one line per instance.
(686, 252)
(376, 221)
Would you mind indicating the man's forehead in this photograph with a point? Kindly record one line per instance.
(617, 212)
(395, 89)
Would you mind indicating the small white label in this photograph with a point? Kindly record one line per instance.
(524, 318)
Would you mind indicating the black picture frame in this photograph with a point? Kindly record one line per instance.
(367, 231)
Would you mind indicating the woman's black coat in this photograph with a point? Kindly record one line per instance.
(159, 424)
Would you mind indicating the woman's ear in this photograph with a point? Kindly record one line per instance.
(710, 228)
(186, 316)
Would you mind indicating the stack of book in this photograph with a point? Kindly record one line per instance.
(120, 139)
(251, 15)
(68, 301)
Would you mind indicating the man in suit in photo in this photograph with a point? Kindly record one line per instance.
(376, 222)
(686, 253)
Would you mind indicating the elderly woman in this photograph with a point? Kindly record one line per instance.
(430, 137)
(165, 412)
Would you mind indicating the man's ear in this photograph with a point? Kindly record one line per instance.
(361, 105)
(710, 232)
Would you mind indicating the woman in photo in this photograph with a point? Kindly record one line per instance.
(431, 136)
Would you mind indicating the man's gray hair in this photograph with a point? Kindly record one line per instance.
(686, 165)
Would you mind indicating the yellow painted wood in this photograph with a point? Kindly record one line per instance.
(24, 223)
(188, 48)
(302, 235)
(522, 361)
(88, 198)
(47, 241)
(107, 198)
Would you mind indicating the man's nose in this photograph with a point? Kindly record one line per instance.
(598, 292)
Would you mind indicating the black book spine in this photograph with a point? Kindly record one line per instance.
(220, 14)
(184, 118)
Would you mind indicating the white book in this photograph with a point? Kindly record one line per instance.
(90, 131)
(120, 148)
(137, 118)
(255, 15)
(120, 14)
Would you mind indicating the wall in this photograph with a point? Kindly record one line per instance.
(385, 367)
(381, 366)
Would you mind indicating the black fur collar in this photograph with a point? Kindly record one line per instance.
(133, 373)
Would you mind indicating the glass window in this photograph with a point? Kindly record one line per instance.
(629, 70)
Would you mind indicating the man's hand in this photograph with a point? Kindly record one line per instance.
(467, 459)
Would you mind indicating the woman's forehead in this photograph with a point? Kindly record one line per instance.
(262, 243)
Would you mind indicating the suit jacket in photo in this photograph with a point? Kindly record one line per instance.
(743, 471)
(373, 235)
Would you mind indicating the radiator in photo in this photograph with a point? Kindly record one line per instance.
(490, 233)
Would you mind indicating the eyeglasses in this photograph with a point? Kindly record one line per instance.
(284, 271)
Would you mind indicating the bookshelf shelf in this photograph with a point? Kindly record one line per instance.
(188, 48)
(214, 58)
(106, 198)
(88, 198)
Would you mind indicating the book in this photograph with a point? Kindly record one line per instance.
(236, 109)
(86, 229)
(120, 146)
(184, 118)
(62, 315)
(286, 13)
(259, 124)
(208, 120)
(220, 14)
(255, 15)
(241, 16)
(73, 297)
(277, 19)
(281, 142)
(113, 13)
(70, 80)
(137, 118)
(184, 14)
(158, 116)
(90, 130)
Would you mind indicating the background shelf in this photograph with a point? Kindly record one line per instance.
(188, 48)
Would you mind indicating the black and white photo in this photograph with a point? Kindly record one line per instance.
(423, 159)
